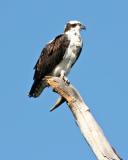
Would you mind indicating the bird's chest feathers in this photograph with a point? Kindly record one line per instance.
(74, 47)
(70, 55)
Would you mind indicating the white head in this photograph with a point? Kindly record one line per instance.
(74, 26)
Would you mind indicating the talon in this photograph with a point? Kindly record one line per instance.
(62, 75)
(66, 80)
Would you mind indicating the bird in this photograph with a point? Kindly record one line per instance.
(58, 57)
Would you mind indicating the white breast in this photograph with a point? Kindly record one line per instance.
(70, 55)
(74, 46)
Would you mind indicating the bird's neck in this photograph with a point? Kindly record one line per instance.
(73, 33)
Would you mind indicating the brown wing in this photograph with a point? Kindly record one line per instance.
(50, 56)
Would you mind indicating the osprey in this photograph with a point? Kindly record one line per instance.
(58, 57)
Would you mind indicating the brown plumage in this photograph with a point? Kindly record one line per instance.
(50, 56)
(58, 56)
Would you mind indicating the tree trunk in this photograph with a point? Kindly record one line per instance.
(84, 119)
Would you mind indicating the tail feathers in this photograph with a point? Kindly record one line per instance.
(37, 88)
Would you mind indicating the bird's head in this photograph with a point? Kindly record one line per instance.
(74, 25)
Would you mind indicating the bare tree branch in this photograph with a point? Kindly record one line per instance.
(84, 119)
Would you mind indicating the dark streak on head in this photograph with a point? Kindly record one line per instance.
(69, 26)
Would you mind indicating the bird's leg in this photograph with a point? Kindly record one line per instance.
(62, 76)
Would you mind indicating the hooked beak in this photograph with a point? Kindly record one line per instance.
(83, 26)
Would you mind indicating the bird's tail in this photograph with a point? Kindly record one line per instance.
(37, 88)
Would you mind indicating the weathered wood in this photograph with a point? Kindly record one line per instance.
(84, 119)
(59, 101)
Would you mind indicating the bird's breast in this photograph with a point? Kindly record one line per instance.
(73, 49)
(69, 57)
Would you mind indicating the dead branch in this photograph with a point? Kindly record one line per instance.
(84, 119)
